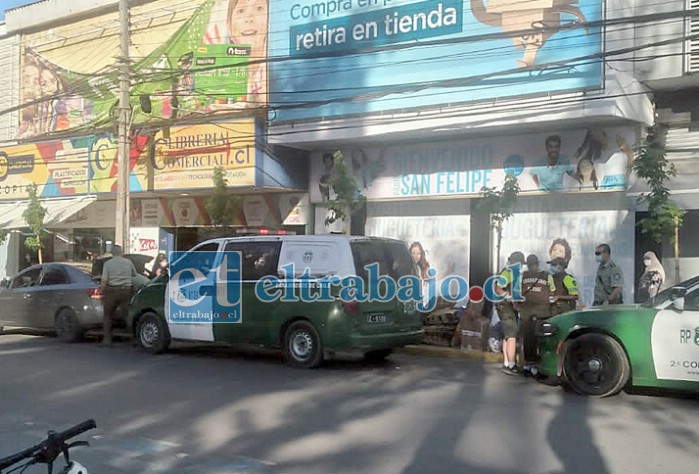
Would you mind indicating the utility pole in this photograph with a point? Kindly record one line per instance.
(123, 211)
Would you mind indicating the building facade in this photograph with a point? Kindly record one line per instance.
(428, 102)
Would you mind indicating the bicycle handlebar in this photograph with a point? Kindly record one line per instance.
(53, 444)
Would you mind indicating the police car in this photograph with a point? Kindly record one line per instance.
(601, 350)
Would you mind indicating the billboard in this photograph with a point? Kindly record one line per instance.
(343, 57)
(208, 57)
(187, 158)
(588, 160)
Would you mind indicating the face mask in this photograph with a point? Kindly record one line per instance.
(598, 258)
(555, 269)
(646, 263)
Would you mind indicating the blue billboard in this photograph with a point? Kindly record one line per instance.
(346, 57)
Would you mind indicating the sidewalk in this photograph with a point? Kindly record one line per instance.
(449, 352)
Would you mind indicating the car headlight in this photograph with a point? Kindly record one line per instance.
(545, 329)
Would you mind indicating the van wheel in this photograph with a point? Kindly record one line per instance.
(302, 345)
(378, 355)
(67, 326)
(152, 333)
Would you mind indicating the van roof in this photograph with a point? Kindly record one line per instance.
(306, 238)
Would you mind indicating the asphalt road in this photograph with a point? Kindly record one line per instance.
(232, 411)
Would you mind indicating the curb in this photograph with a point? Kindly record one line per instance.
(449, 353)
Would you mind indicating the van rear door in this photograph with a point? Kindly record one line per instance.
(394, 261)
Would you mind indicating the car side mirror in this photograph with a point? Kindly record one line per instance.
(677, 298)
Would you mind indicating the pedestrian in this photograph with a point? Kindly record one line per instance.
(609, 284)
(567, 292)
(652, 279)
(117, 280)
(160, 265)
(508, 316)
(537, 289)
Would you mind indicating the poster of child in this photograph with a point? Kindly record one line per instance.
(243, 22)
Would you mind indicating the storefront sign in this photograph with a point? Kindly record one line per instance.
(187, 159)
(589, 160)
(370, 56)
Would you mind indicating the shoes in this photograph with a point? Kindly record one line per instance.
(511, 371)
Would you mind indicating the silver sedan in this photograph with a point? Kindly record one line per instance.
(52, 296)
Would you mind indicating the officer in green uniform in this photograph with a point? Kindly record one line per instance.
(508, 316)
(567, 292)
(609, 283)
(117, 280)
(537, 289)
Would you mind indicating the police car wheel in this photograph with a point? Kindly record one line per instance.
(596, 365)
(302, 345)
(152, 334)
(67, 326)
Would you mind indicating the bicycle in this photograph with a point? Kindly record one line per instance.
(48, 450)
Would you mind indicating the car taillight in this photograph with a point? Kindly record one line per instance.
(351, 307)
(95, 293)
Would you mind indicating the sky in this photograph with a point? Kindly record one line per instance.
(7, 4)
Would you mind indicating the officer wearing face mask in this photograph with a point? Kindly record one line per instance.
(609, 283)
(567, 292)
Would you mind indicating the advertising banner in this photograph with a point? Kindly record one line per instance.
(187, 159)
(438, 233)
(207, 57)
(342, 57)
(65, 167)
(574, 235)
(591, 160)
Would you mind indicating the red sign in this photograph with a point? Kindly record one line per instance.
(145, 245)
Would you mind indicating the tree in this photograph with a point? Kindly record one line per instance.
(34, 216)
(3, 236)
(221, 206)
(664, 217)
(347, 199)
(500, 205)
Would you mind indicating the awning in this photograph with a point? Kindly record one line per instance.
(58, 210)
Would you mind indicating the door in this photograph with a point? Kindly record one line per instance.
(51, 294)
(258, 259)
(15, 300)
(675, 340)
(392, 260)
(190, 294)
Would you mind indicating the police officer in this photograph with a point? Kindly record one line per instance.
(508, 316)
(567, 292)
(537, 288)
(117, 280)
(609, 283)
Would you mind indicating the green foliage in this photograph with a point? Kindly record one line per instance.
(221, 206)
(500, 204)
(347, 197)
(3, 236)
(34, 215)
(653, 166)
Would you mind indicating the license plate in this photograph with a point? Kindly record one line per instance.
(376, 318)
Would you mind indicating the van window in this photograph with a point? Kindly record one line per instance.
(393, 258)
(320, 258)
(207, 264)
(258, 259)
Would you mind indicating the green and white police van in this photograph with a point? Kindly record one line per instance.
(306, 331)
(601, 350)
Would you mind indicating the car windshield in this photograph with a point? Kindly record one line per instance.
(664, 295)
